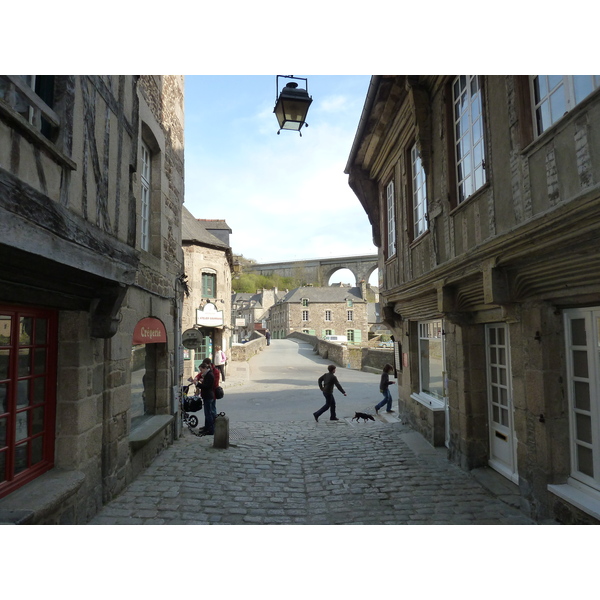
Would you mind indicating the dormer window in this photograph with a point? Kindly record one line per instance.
(304, 301)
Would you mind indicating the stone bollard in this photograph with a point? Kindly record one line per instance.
(221, 437)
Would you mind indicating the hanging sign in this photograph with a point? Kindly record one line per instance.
(191, 339)
(149, 331)
(209, 317)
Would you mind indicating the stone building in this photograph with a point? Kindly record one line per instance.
(484, 198)
(91, 191)
(250, 311)
(321, 311)
(208, 265)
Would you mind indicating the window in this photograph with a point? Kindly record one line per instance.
(391, 220)
(582, 327)
(328, 315)
(328, 332)
(28, 349)
(431, 359)
(146, 178)
(304, 301)
(32, 96)
(554, 95)
(209, 285)
(350, 335)
(350, 315)
(468, 135)
(419, 194)
(349, 303)
(305, 315)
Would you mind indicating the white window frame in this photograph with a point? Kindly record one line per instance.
(145, 180)
(581, 490)
(419, 194)
(350, 335)
(469, 137)
(428, 331)
(553, 96)
(391, 220)
(350, 315)
(305, 315)
(328, 315)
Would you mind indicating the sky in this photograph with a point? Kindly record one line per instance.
(285, 197)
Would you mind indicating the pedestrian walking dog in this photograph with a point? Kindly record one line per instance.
(364, 416)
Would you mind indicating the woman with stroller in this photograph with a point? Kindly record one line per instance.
(207, 393)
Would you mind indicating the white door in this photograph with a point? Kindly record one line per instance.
(503, 447)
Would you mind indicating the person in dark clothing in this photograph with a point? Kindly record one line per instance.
(207, 393)
(326, 383)
(384, 388)
(268, 336)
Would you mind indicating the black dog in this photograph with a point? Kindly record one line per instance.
(364, 416)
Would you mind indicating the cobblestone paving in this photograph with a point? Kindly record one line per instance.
(306, 473)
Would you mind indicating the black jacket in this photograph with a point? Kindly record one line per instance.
(327, 381)
(207, 386)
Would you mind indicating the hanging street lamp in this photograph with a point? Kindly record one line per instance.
(292, 104)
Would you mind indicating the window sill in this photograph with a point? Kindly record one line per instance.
(142, 434)
(586, 499)
(40, 498)
(430, 402)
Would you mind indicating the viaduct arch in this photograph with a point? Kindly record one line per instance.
(318, 271)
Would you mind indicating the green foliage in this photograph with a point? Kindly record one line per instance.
(249, 283)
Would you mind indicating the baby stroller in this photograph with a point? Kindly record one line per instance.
(190, 404)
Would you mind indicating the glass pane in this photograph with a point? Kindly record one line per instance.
(496, 412)
(543, 116)
(20, 458)
(2, 433)
(4, 358)
(494, 394)
(583, 425)
(504, 417)
(504, 396)
(554, 80)
(5, 322)
(3, 398)
(37, 424)
(585, 461)
(492, 336)
(558, 104)
(494, 371)
(502, 372)
(580, 364)
(39, 390)
(583, 85)
(493, 358)
(501, 337)
(40, 361)
(37, 450)
(578, 336)
(2, 466)
(21, 428)
(582, 395)
(502, 356)
(25, 331)
(23, 393)
(24, 362)
(41, 327)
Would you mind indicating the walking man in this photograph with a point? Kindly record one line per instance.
(326, 383)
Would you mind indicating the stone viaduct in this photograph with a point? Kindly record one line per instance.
(318, 271)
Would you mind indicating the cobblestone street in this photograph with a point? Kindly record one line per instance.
(308, 473)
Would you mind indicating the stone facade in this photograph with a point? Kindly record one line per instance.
(89, 167)
(319, 310)
(208, 266)
(497, 275)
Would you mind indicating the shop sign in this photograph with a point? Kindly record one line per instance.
(209, 316)
(149, 331)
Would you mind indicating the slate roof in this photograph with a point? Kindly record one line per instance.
(193, 230)
(326, 295)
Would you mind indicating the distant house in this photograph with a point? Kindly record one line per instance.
(321, 311)
(250, 311)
